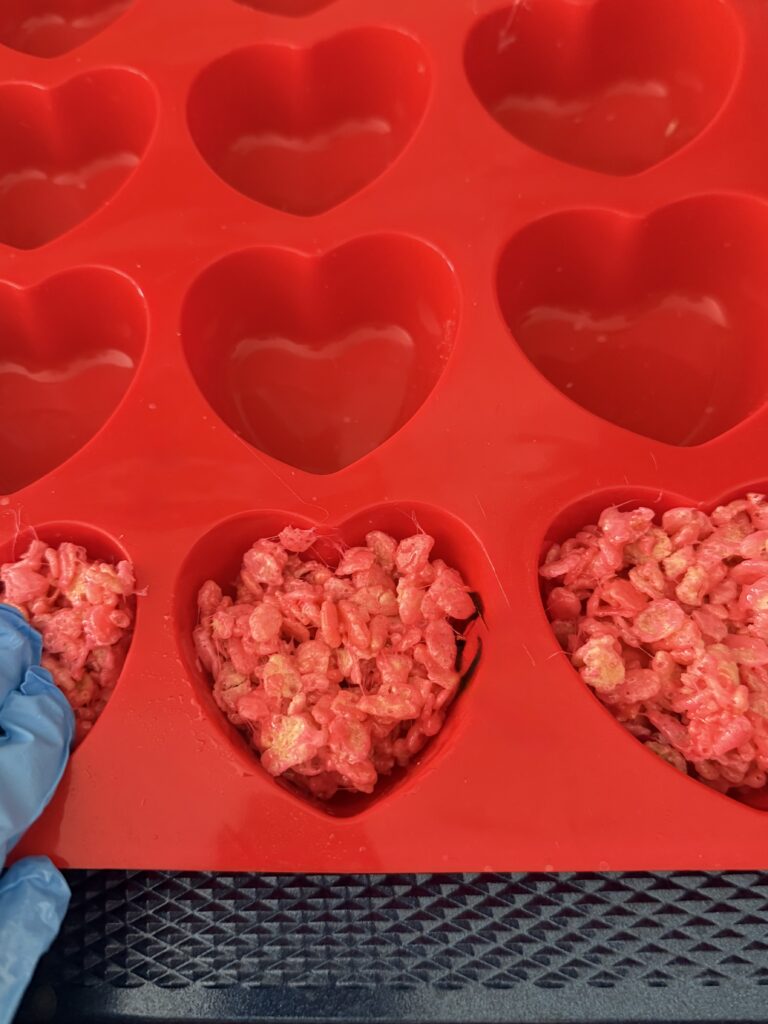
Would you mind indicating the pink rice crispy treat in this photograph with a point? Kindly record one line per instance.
(339, 675)
(667, 622)
(84, 610)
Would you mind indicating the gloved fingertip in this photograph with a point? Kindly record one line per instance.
(21, 646)
(38, 682)
(39, 874)
(38, 726)
(12, 621)
(34, 897)
(12, 615)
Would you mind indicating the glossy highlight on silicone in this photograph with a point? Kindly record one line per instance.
(50, 28)
(287, 8)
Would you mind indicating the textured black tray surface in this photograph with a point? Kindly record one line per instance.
(165, 946)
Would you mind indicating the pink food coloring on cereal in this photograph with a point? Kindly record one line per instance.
(667, 622)
(83, 609)
(336, 675)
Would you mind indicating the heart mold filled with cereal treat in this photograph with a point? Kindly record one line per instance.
(77, 587)
(318, 360)
(69, 348)
(302, 130)
(336, 653)
(65, 151)
(612, 85)
(656, 324)
(662, 608)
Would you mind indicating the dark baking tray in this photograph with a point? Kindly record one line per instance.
(164, 946)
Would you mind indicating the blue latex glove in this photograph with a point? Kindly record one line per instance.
(36, 730)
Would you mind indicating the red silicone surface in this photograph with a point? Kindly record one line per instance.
(369, 263)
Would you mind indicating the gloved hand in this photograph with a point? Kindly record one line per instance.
(36, 730)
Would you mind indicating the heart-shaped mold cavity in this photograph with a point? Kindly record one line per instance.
(49, 28)
(287, 8)
(218, 556)
(655, 324)
(303, 129)
(69, 348)
(586, 511)
(100, 547)
(65, 151)
(317, 360)
(612, 85)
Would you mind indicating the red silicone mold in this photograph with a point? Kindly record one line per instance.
(478, 267)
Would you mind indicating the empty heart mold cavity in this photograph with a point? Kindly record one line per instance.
(48, 28)
(317, 360)
(218, 556)
(655, 324)
(287, 8)
(303, 129)
(69, 348)
(65, 151)
(612, 85)
(586, 511)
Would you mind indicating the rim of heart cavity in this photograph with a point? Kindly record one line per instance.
(318, 360)
(69, 349)
(655, 324)
(616, 86)
(303, 129)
